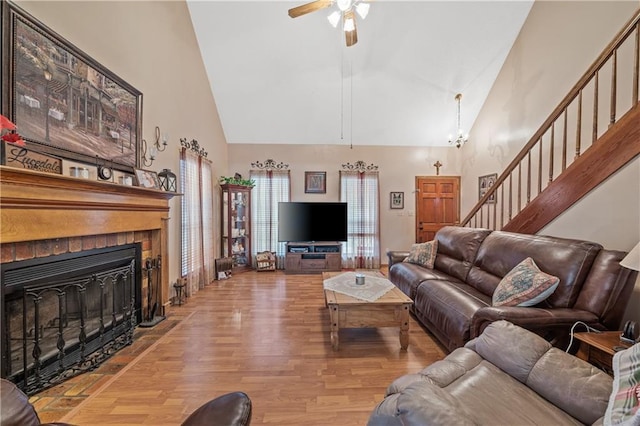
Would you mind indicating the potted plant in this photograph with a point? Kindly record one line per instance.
(237, 180)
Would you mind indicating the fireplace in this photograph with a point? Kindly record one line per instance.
(65, 314)
(61, 309)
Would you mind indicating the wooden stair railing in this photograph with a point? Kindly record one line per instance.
(619, 145)
(523, 198)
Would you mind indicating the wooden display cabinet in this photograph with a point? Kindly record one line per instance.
(236, 225)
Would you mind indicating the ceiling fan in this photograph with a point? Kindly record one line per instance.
(345, 12)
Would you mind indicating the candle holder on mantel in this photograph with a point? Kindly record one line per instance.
(168, 180)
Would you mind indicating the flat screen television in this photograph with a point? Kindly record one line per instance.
(307, 221)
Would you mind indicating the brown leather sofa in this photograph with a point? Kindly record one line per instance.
(454, 300)
(507, 376)
(231, 409)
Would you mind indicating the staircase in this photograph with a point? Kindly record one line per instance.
(597, 124)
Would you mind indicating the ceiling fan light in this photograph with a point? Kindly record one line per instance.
(334, 18)
(344, 5)
(349, 25)
(362, 9)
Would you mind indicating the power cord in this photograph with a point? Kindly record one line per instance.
(589, 330)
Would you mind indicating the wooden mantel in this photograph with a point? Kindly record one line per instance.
(37, 206)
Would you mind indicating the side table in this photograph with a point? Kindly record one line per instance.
(598, 348)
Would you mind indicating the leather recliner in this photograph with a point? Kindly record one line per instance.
(506, 376)
(231, 409)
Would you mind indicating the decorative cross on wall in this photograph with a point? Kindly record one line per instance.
(437, 165)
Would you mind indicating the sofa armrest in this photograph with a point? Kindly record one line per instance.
(396, 256)
(529, 317)
(230, 409)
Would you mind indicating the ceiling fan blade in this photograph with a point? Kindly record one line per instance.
(309, 7)
(351, 36)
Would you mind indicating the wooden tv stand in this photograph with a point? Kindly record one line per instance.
(313, 257)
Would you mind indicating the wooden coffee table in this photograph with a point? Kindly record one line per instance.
(390, 310)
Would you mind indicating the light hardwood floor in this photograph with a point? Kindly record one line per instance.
(267, 334)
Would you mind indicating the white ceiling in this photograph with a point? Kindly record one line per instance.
(293, 81)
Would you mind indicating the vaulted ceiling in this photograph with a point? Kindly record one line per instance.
(293, 81)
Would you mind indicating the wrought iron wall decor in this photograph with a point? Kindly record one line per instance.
(155, 148)
(193, 146)
(360, 166)
(270, 164)
(64, 102)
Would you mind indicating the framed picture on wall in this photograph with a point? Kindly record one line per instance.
(63, 101)
(396, 200)
(484, 183)
(315, 182)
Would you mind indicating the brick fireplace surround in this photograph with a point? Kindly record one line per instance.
(43, 214)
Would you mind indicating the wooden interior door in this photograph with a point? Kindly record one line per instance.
(437, 204)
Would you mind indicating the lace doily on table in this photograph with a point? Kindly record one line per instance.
(372, 289)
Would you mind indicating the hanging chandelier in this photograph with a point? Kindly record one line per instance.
(461, 137)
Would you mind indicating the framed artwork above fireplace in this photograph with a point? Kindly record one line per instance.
(64, 102)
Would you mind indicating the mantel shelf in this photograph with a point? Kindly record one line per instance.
(37, 206)
(11, 175)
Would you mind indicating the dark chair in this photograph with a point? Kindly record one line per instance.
(231, 409)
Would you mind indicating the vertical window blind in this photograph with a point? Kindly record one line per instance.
(360, 190)
(197, 251)
(272, 187)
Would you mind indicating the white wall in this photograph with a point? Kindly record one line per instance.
(150, 45)
(557, 44)
(609, 216)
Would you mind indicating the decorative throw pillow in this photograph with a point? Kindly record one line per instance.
(524, 285)
(423, 254)
(624, 403)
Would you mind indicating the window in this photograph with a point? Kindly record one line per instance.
(360, 190)
(272, 187)
(196, 185)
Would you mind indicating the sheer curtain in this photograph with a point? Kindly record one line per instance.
(196, 185)
(360, 190)
(272, 187)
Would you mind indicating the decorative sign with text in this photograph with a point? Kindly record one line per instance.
(23, 158)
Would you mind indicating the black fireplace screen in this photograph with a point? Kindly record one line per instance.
(63, 315)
